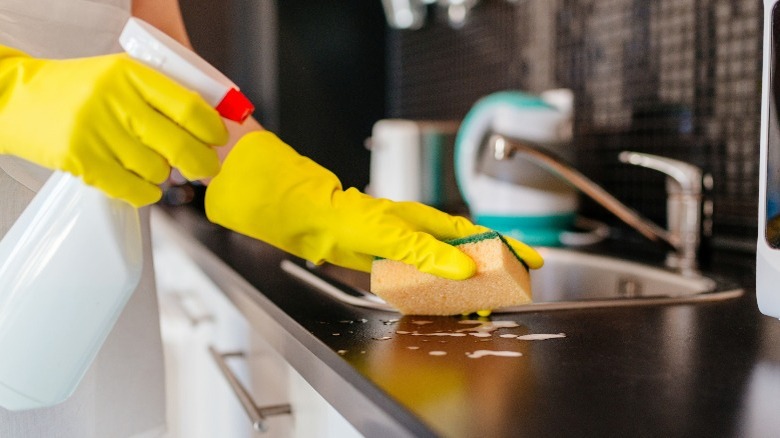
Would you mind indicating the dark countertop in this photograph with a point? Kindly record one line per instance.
(707, 369)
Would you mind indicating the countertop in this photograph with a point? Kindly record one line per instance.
(706, 369)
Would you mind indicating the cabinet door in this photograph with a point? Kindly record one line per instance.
(314, 416)
(194, 315)
(199, 324)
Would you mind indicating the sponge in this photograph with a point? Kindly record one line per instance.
(501, 280)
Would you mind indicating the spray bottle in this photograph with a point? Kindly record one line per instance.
(73, 258)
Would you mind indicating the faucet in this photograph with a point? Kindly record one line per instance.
(683, 188)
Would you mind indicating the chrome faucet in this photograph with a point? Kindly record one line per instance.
(683, 187)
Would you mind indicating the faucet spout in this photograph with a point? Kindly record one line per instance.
(681, 257)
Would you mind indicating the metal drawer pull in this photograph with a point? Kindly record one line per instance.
(256, 413)
(193, 320)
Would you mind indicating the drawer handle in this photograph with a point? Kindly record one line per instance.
(193, 320)
(256, 413)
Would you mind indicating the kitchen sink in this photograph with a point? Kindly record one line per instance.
(570, 279)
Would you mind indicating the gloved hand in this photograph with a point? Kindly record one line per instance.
(110, 120)
(268, 191)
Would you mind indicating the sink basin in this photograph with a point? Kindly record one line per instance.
(568, 280)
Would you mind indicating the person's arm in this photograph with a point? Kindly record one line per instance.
(112, 121)
(164, 15)
(268, 191)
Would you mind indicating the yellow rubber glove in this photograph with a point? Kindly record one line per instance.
(268, 191)
(110, 120)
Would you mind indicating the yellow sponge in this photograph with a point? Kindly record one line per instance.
(501, 280)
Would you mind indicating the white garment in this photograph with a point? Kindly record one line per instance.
(122, 394)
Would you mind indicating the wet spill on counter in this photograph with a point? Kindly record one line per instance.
(486, 326)
(541, 337)
(457, 335)
(482, 353)
(483, 329)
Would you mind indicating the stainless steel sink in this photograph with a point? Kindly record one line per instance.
(568, 280)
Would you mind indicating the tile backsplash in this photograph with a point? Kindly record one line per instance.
(678, 78)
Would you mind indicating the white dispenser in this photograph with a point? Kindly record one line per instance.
(73, 258)
(768, 245)
(413, 160)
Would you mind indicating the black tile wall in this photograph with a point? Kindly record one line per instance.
(678, 78)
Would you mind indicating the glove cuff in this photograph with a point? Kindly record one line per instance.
(262, 177)
(7, 52)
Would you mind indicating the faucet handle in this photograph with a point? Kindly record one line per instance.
(686, 175)
(683, 203)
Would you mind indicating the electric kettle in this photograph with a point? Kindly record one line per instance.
(517, 197)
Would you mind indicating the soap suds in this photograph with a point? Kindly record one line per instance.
(457, 335)
(478, 329)
(533, 337)
(482, 353)
(487, 326)
(541, 337)
(422, 322)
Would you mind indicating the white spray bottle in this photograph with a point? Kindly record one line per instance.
(73, 258)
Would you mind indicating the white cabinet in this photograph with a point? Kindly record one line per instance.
(197, 321)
